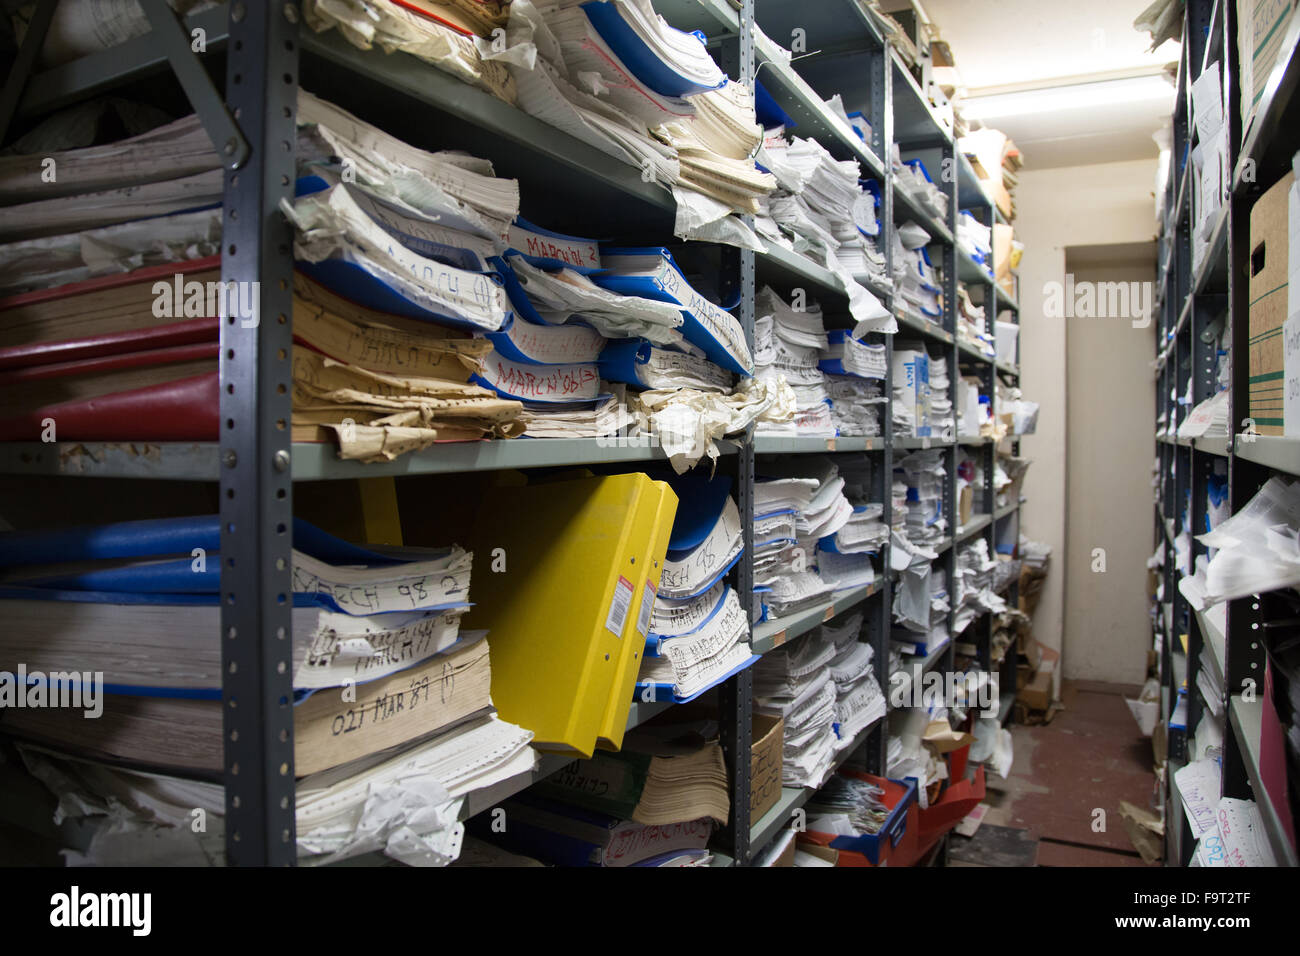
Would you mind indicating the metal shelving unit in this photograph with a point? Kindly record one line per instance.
(244, 88)
(1191, 297)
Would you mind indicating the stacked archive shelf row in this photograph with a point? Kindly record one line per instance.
(1213, 656)
(259, 55)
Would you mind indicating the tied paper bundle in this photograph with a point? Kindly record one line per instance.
(447, 36)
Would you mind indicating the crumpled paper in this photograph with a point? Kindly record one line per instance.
(686, 421)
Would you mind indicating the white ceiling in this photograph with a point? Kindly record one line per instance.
(1041, 43)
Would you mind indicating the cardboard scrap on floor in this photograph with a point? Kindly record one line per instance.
(1145, 830)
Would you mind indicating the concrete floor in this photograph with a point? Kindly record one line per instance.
(1088, 759)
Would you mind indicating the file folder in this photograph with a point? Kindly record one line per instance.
(554, 589)
(650, 557)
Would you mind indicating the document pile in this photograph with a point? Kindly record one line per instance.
(859, 702)
(563, 833)
(921, 614)
(847, 806)
(789, 514)
(129, 600)
(698, 635)
(829, 217)
(917, 284)
(403, 803)
(974, 417)
(914, 180)
(855, 373)
(923, 473)
(1258, 547)
(976, 240)
(1209, 159)
(1209, 419)
(615, 75)
(972, 325)
(443, 34)
(787, 345)
(974, 577)
(795, 683)
(376, 648)
(1008, 476)
(943, 426)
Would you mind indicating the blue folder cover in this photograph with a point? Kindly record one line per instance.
(162, 537)
(641, 61)
(649, 287)
(699, 504)
(621, 361)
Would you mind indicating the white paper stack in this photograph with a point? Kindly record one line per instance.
(923, 474)
(788, 344)
(795, 683)
(974, 578)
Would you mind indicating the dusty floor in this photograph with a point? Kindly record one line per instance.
(1068, 778)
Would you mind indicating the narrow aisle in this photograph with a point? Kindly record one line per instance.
(1089, 758)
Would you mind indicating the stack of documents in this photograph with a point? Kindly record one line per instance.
(795, 682)
(976, 240)
(1209, 419)
(138, 603)
(943, 426)
(1258, 549)
(859, 701)
(441, 34)
(403, 802)
(650, 781)
(924, 637)
(787, 345)
(855, 372)
(972, 327)
(974, 576)
(698, 635)
(562, 833)
(914, 276)
(914, 180)
(570, 611)
(923, 473)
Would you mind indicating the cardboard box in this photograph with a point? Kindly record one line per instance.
(1261, 28)
(965, 506)
(1269, 240)
(765, 763)
(1037, 695)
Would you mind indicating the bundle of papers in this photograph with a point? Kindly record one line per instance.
(795, 682)
(976, 240)
(914, 276)
(848, 806)
(1209, 419)
(855, 405)
(923, 473)
(649, 782)
(943, 426)
(914, 180)
(706, 642)
(972, 326)
(437, 33)
(402, 803)
(859, 701)
(787, 345)
(975, 586)
(1258, 547)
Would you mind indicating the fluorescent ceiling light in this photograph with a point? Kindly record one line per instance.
(1079, 96)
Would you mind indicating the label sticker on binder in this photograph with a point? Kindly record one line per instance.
(619, 606)
(647, 607)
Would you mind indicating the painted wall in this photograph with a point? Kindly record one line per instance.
(1057, 209)
(1110, 420)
